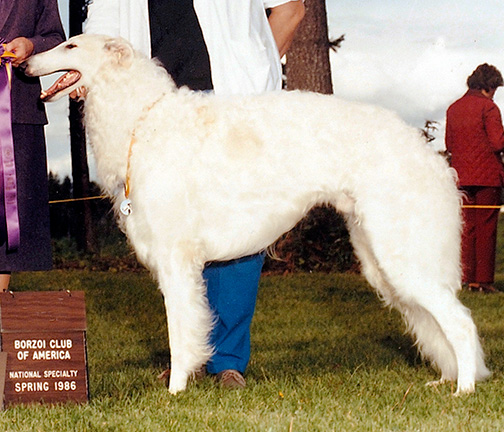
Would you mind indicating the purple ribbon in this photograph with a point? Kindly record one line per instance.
(8, 188)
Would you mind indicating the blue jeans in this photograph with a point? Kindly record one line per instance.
(232, 292)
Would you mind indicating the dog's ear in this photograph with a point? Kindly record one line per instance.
(120, 50)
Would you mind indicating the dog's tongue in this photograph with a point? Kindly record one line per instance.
(61, 83)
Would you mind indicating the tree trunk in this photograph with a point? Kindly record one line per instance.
(84, 233)
(307, 66)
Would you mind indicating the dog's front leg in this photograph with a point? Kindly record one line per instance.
(189, 316)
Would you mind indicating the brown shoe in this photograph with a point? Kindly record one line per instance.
(231, 379)
(165, 377)
(488, 288)
(482, 288)
(199, 374)
(196, 376)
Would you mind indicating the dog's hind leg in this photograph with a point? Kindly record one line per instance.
(367, 259)
(443, 327)
(430, 338)
(431, 341)
(464, 361)
(188, 313)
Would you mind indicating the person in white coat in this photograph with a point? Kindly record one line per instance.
(243, 45)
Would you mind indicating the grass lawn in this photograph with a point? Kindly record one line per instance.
(326, 357)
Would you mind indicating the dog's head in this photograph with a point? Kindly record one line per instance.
(81, 57)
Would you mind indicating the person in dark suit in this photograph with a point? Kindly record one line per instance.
(28, 27)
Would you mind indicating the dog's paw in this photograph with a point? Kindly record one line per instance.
(178, 381)
(437, 382)
(461, 389)
(464, 390)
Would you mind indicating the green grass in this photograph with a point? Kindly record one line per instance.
(326, 357)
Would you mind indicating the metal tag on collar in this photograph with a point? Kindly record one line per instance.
(126, 207)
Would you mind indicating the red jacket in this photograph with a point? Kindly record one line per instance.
(475, 138)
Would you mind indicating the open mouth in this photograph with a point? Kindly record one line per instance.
(62, 83)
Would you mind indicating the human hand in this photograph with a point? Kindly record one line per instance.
(22, 47)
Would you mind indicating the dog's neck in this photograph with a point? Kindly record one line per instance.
(138, 124)
(114, 100)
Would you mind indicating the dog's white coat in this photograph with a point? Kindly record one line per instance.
(215, 178)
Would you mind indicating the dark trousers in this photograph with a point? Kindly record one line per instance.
(479, 234)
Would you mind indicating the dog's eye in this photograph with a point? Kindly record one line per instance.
(71, 46)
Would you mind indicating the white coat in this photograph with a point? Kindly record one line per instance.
(243, 55)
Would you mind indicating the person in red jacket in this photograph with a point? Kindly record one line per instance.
(475, 140)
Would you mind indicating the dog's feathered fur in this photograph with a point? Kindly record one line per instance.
(215, 178)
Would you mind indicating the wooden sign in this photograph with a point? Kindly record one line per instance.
(43, 347)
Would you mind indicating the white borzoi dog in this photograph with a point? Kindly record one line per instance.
(212, 178)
